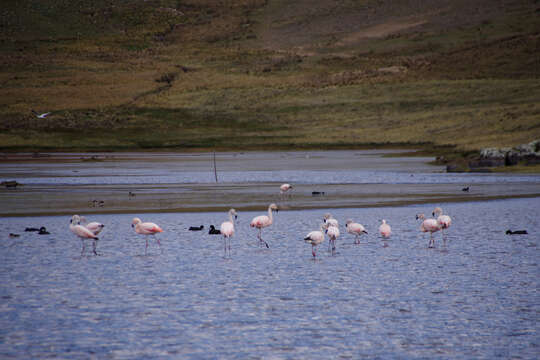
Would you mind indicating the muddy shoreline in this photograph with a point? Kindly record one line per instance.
(100, 183)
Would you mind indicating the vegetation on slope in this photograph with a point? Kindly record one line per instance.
(261, 74)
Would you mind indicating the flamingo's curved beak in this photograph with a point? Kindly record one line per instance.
(235, 217)
(132, 225)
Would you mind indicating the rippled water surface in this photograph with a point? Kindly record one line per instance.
(473, 296)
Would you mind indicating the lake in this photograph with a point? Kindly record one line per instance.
(474, 295)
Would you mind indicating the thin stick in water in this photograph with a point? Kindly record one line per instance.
(215, 169)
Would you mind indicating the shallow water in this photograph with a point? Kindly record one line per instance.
(473, 296)
(70, 183)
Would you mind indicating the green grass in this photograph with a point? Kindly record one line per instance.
(137, 75)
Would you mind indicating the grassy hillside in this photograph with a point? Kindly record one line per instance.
(257, 74)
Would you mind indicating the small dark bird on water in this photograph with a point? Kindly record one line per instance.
(13, 235)
(317, 193)
(196, 228)
(31, 229)
(43, 231)
(213, 230)
(517, 232)
(465, 189)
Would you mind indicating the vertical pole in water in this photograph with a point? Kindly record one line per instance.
(215, 169)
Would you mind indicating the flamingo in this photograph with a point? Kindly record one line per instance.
(385, 229)
(284, 188)
(94, 226)
(444, 220)
(315, 238)
(430, 225)
(146, 228)
(263, 221)
(227, 229)
(328, 218)
(355, 229)
(82, 232)
(333, 233)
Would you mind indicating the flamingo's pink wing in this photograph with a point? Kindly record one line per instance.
(83, 232)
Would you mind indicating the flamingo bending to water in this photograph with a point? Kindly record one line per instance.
(385, 229)
(82, 232)
(146, 228)
(315, 238)
(263, 221)
(284, 188)
(227, 229)
(355, 229)
(429, 225)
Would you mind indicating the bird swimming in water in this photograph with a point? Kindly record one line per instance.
(517, 232)
(214, 231)
(196, 228)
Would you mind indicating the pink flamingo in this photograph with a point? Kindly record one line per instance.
(444, 220)
(146, 228)
(82, 232)
(315, 238)
(385, 229)
(333, 233)
(284, 188)
(355, 229)
(94, 227)
(429, 225)
(263, 221)
(227, 229)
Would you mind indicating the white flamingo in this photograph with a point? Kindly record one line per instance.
(82, 232)
(227, 229)
(315, 238)
(333, 233)
(385, 229)
(429, 225)
(146, 228)
(328, 218)
(444, 220)
(94, 227)
(355, 229)
(263, 221)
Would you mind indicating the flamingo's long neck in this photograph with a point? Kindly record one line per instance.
(231, 218)
(270, 216)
